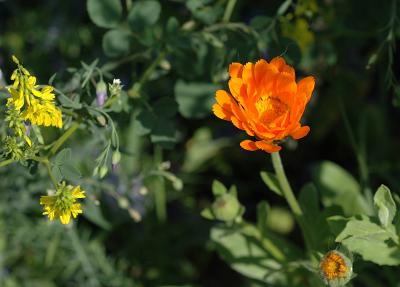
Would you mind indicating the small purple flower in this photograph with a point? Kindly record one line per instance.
(101, 93)
(27, 128)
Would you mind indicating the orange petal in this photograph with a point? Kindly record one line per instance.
(221, 112)
(270, 148)
(222, 97)
(235, 85)
(248, 75)
(260, 70)
(285, 84)
(235, 70)
(300, 132)
(306, 86)
(279, 63)
(248, 145)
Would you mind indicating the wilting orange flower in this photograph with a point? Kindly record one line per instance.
(266, 102)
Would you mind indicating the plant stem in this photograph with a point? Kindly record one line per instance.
(60, 141)
(285, 186)
(290, 198)
(6, 162)
(229, 10)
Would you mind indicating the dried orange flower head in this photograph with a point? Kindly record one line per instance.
(265, 101)
(335, 268)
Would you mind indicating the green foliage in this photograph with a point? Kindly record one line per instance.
(105, 13)
(339, 188)
(147, 153)
(375, 243)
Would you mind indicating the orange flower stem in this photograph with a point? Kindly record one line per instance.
(289, 196)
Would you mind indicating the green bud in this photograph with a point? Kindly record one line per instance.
(123, 202)
(103, 171)
(226, 207)
(116, 157)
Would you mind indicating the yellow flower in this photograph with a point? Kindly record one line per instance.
(36, 104)
(63, 203)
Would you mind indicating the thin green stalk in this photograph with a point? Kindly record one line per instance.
(60, 141)
(229, 10)
(160, 193)
(290, 198)
(285, 186)
(6, 162)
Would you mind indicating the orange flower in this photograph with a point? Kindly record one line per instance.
(266, 102)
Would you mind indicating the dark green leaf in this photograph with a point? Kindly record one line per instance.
(105, 13)
(143, 14)
(116, 43)
(195, 99)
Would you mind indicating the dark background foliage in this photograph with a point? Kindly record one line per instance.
(350, 48)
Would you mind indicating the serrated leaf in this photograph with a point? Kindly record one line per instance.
(385, 205)
(68, 103)
(105, 13)
(271, 181)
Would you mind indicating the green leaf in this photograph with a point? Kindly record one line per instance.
(315, 219)
(63, 168)
(143, 14)
(69, 103)
(165, 107)
(105, 13)
(93, 213)
(116, 43)
(371, 241)
(144, 123)
(218, 188)
(244, 250)
(339, 188)
(195, 99)
(163, 133)
(206, 13)
(262, 215)
(271, 181)
(385, 205)
(207, 214)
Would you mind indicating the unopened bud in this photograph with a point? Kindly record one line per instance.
(101, 93)
(103, 171)
(336, 269)
(226, 207)
(116, 157)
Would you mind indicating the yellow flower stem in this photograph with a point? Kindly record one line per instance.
(6, 162)
(289, 196)
(229, 10)
(60, 141)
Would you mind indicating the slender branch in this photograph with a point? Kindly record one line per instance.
(60, 141)
(285, 186)
(6, 162)
(229, 10)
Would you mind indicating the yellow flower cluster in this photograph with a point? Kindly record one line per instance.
(63, 203)
(35, 104)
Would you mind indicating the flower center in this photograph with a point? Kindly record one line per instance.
(333, 266)
(269, 108)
